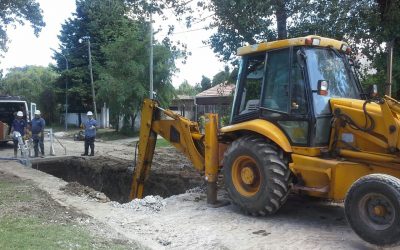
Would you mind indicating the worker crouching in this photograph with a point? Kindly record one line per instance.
(90, 134)
(19, 125)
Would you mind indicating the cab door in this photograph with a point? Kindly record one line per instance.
(284, 100)
(32, 111)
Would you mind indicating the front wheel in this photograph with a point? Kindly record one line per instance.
(372, 208)
(256, 176)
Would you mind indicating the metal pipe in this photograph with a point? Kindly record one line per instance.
(368, 156)
(211, 157)
(91, 78)
(151, 50)
(389, 67)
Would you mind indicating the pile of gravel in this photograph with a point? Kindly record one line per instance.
(197, 190)
(149, 203)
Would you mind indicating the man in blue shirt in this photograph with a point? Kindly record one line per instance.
(37, 128)
(90, 133)
(18, 125)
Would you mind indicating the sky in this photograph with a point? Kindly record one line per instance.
(25, 48)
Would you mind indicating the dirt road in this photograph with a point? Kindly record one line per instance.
(186, 222)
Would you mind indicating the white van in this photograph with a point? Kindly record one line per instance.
(9, 106)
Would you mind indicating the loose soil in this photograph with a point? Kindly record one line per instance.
(113, 176)
(185, 221)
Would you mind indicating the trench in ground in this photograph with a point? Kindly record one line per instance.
(113, 176)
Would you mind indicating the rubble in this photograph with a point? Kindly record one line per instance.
(149, 203)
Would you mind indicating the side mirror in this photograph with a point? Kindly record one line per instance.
(372, 91)
(323, 86)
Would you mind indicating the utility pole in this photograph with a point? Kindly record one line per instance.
(91, 77)
(66, 94)
(389, 68)
(151, 50)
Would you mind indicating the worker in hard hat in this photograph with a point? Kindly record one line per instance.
(90, 134)
(19, 125)
(37, 128)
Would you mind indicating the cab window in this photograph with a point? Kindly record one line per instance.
(252, 82)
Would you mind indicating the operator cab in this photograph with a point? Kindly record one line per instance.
(290, 83)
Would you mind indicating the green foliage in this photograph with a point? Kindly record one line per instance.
(99, 21)
(205, 83)
(221, 77)
(34, 83)
(186, 89)
(249, 21)
(162, 143)
(19, 11)
(366, 24)
(119, 37)
(124, 80)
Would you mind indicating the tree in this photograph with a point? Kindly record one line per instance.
(108, 23)
(124, 79)
(19, 11)
(101, 22)
(205, 83)
(221, 76)
(34, 83)
(186, 89)
(249, 21)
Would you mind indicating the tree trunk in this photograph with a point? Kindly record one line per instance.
(281, 17)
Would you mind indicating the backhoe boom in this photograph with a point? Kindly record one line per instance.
(183, 134)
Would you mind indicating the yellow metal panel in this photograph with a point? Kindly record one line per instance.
(265, 46)
(211, 147)
(381, 139)
(307, 150)
(315, 172)
(264, 128)
(185, 143)
(146, 149)
(347, 173)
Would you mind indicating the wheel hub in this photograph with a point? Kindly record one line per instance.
(247, 175)
(380, 210)
(377, 211)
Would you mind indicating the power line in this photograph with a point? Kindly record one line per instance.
(188, 31)
(203, 19)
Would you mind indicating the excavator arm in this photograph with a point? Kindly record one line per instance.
(183, 134)
(366, 130)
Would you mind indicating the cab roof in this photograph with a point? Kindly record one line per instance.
(11, 98)
(299, 41)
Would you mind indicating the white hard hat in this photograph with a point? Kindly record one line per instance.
(89, 113)
(20, 114)
(37, 112)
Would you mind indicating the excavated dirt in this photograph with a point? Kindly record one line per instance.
(111, 176)
(183, 221)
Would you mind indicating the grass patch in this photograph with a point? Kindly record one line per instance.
(29, 219)
(12, 192)
(110, 134)
(162, 143)
(33, 233)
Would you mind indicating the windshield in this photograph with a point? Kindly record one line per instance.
(325, 64)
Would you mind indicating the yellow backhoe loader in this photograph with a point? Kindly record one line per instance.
(300, 122)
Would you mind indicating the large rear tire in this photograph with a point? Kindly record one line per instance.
(256, 176)
(372, 208)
